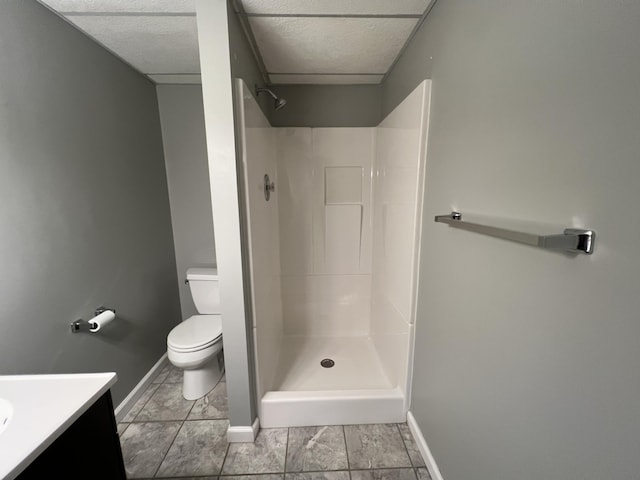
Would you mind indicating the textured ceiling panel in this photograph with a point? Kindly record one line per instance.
(280, 79)
(153, 6)
(150, 44)
(330, 45)
(177, 79)
(336, 7)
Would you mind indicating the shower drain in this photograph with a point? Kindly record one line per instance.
(327, 363)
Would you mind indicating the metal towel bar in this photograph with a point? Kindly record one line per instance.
(572, 240)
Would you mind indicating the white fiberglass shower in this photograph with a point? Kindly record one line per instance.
(333, 260)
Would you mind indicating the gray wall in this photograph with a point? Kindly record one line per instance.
(185, 154)
(328, 106)
(243, 62)
(84, 213)
(526, 363)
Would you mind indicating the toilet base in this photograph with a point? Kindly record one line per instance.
(198, 382)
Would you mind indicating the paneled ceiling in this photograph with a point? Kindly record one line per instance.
(294, 41)
(156, 37)
(329, 41)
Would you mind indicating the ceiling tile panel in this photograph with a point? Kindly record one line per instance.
(153, 44)
(279, 79)
(177, 79)
(330, 45)
(112, 6)
(336, 7)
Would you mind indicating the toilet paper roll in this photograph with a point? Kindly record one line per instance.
(101, 320)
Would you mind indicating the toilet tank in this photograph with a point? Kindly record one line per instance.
(203, 283)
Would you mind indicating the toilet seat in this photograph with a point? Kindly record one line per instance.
(195, 333)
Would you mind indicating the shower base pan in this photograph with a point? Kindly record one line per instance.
(355, 390)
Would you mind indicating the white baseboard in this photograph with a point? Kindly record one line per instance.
(243, 434)
(138, 390)
(434, 471)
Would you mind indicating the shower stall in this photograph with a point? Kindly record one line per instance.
(333, 218)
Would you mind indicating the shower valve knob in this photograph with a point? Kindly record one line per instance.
(269, 187)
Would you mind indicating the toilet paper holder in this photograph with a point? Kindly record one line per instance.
(87, 326)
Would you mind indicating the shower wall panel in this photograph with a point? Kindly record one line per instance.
(397, 207)
(327, 305)
(324, 185)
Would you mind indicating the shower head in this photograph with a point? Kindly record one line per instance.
(278, 103)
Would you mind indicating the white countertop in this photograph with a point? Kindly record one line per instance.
(44, 406)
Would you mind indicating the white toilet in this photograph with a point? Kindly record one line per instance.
(196, 343)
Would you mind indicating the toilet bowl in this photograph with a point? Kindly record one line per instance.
(195, 345)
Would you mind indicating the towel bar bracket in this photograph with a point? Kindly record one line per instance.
(584, 240)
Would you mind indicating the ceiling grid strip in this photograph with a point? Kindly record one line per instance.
(324, 73)
(332, 15)
(128, 14)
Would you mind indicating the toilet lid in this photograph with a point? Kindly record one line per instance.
(195, 332)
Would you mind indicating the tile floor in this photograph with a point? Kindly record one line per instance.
(166, 436)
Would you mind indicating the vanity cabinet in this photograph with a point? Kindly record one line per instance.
(59, 426)
(88, 449)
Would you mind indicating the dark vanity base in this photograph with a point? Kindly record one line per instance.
(88, 449)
